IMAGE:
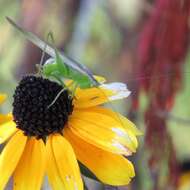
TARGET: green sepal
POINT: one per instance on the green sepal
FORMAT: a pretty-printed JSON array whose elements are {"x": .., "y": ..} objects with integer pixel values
[{"x": 86, "y": 172}]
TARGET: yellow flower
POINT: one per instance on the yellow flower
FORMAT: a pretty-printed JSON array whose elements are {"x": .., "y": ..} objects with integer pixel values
[{"x": 72, "y": 129}]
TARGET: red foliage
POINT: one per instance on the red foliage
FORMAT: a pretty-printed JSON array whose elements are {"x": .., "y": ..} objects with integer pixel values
[
  {"x": 162, "y": 49},
  {"x": 163, "y": 45}
]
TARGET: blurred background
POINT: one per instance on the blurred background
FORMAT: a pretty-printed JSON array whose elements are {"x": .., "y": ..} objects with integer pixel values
[{"x": 143, "y": 43}]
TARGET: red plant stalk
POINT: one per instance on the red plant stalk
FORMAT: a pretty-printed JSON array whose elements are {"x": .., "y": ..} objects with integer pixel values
[{"x": 162, "y": 50}]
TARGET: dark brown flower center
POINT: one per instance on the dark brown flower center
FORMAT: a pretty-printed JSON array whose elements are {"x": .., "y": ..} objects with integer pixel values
[{"x": 31, "y": 107}]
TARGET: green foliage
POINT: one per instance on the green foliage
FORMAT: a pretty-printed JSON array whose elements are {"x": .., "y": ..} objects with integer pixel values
[{"x": 179, "y": 124}]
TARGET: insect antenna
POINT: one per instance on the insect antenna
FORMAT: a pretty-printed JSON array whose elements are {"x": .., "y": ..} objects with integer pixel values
[
  {"x": 55, "y": 99},
  {"x": 40, "y": 65},
  {"x": 75, "y": 85}
]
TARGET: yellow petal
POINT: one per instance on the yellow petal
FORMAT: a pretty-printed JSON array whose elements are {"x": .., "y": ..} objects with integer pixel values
[
  {"x": 30, "y": 171},
  {"x": 123, "y": 122},
  {"x": 104, "y": 143},
  {"x": 104, "y": 93},
  {"x": 103, "y": 131},
  {"x": 54, "y": 176},
  {"x": 5, "y": 118},
  {"x": 2, "y": 98},
  {"x": 66, "y": 163},
  {"x": 91, "y": 97},
  {"x": 6, "y": 130},
  {"x": 10, "y": 156},
  {"x": 109, "y": 168},
  {"x": 127, "y": 124}
]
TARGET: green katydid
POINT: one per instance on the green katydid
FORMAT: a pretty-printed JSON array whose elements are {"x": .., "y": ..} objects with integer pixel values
[{"x": 63, "y": 66}]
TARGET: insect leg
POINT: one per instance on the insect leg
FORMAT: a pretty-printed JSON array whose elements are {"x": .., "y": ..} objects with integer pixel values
[
  {"x": 58, "y": 79},
  {"x": 74, "y": 86}
]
